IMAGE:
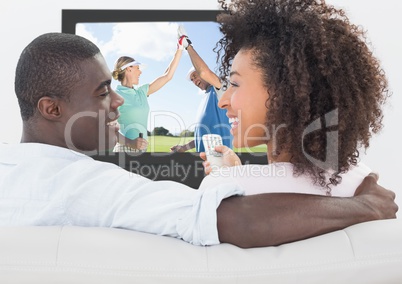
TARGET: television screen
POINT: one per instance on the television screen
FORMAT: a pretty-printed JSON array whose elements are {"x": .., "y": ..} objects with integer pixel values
[{"x": 150, "y": 37}]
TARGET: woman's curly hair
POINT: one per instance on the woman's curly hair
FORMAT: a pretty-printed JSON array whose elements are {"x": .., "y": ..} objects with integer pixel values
[{"x": 318, "y": 68}]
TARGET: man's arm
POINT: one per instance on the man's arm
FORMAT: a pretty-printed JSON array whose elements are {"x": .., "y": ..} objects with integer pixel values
[
  {"x": 276, "y": 218},
  {"x": 202, "y": 68},
  {"x": 183, "y": 148},
  {"x": 199, "y": 64}
]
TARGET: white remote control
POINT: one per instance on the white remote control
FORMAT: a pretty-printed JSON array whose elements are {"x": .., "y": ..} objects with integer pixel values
[{"x": 210, "y": 141}]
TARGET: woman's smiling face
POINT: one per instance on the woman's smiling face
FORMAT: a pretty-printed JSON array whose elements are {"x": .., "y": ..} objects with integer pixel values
[{"x": 245, "y": 101}]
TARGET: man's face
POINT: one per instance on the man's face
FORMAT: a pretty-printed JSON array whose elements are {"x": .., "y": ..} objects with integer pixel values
[
  {"x": 196, "y": 79},
  {"x": 90, "y": 115}
]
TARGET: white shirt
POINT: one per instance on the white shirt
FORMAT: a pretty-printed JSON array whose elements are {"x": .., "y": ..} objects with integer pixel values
[
  {"x": 48, "y": 185},
  {"x": 278, "y": 177}
]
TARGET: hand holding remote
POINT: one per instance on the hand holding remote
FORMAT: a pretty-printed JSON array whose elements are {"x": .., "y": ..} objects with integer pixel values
[{"x": 210, "y": 141}]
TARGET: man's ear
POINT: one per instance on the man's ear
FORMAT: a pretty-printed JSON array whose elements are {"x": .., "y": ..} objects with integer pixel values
[{"x": 49, "y": 108}]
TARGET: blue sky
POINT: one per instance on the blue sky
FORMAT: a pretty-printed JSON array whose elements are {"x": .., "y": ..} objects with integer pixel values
[{"x": 174, "y": 106}]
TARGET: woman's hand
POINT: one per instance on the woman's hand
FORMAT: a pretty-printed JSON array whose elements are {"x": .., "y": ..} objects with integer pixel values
[
  {"x": 138, "y": 143},
  {"x": 230, "y": 159}
]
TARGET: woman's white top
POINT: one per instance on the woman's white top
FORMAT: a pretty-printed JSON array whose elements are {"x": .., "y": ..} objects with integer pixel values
[{"x": 279, "y": 177}]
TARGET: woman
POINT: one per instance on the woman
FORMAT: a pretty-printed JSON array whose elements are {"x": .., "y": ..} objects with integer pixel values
[
  {"x": 134, "y": 112},
  {"x": 304, "y": 82}
]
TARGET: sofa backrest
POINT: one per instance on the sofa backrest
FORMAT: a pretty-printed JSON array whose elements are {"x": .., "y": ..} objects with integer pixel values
[{"x": 365, "y": 253}]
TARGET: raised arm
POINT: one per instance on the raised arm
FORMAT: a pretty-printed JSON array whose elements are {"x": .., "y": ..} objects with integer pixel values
[
  {"x": 276, "y": 218},
  {"x": 199, "y": 64},
  {"x": 168, "y": 75},
  {"x": 202, "y": 68}
]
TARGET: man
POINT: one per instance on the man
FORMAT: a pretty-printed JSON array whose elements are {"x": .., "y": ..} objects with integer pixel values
[
  {"x": 69, "y": 109},
  {"x": 210, "y": 118}
]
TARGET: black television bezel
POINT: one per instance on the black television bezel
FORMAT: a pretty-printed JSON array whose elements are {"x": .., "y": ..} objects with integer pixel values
[
  {"x": 71, "y": 17},
  {"x": 190, "y": 160}
]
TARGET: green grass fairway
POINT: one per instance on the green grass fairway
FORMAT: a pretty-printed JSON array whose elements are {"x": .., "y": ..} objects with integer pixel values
[{"x": 163, "y": 144}]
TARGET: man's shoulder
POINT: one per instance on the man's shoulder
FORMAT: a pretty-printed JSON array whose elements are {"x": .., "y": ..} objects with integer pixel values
[{"x": 14, "y": 152}]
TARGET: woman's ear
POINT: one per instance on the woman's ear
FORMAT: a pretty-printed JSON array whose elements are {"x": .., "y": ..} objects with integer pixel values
[{"x": 49, "y": 108}]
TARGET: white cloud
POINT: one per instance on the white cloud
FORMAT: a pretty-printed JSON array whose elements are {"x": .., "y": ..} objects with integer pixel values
[
  {"x": 155, "y": 41},
  {"x": 82, "y": 31}
]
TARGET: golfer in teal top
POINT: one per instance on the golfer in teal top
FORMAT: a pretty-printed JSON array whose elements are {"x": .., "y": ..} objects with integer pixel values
[{"x": 134, "y": 112}]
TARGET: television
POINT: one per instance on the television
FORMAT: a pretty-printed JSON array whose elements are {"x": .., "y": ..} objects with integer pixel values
[{"x": 150, "y": 36}]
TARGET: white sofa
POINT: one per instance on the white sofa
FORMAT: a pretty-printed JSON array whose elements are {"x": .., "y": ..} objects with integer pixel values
[{"x": 366, "y": 253}]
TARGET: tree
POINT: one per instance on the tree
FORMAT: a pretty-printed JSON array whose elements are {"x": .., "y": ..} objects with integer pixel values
[
  {"x": 160, "y": 131},
  {"x": 187, "y": 133}
]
